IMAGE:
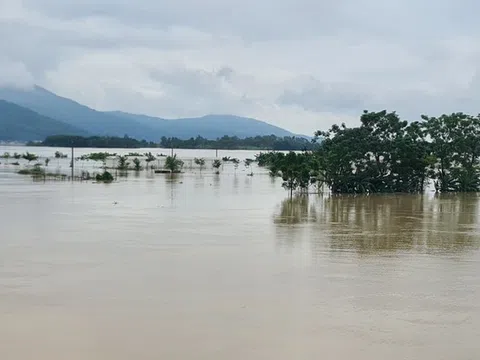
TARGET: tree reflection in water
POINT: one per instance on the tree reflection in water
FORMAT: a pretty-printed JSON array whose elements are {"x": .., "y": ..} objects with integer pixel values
[{"x": 381, "y": 223}]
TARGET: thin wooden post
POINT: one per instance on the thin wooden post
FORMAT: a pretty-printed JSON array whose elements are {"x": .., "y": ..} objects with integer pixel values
[{"x": 73, "y": 162}]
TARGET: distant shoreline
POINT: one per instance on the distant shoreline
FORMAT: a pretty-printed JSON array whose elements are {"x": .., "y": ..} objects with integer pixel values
[
  {"x": 258, "y": 143},
  {"x": 151, "y": 147}
]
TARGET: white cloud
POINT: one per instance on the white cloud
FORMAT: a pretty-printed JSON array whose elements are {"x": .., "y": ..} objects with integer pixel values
[
  {"x": 300, "y": 64},
  {"x": 14, "y": 74}
]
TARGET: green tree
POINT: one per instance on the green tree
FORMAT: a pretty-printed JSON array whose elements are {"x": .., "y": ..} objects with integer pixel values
[
  {"x": 137, "y": 164},
  {"x": 105, "y": 177},
  {"x": 6, "y": 156},
  {"x": 122, "y": 162},
  {"x": 149, "y": 158},
  {"x": 200, "y": 162},
  {"x": 60, "y": 155},
  {"x": 385, "y": 154},
  {"x": 454, "y": 151},
  {"x": 216, "y": 165},
  {"x": 235, "y": 162},
  {"x": 173, "y": 164},
  {"x": 29, "y": 157}
]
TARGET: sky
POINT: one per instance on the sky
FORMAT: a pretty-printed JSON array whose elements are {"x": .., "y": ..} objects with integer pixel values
[{"x": 299, "y": 64}]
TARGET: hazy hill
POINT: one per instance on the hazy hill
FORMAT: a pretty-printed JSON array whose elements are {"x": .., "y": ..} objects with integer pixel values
[
  {"x": 118, "y": 123},
  {"x": 95, "y": 122},
  {"x": 19, "y": 123},
  {"x": 209, "y": 126}
]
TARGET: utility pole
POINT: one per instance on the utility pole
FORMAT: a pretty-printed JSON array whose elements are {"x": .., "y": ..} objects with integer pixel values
[{"x": 73, "y": 161}]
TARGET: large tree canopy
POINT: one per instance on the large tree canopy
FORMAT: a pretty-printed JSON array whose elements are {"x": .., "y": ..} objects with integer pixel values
[{"x": 386, "y": 154}]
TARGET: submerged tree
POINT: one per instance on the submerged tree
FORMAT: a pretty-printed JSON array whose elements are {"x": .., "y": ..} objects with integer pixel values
[
  {"x": 216, "y": 165},
  {"x": 122, "y": 162},
  {"x": 235, "y": 162},
  {"x": 6, "y": 156},
  {"x": 173, "y": 164},
  {"x": 137, "y": 164},
  {"x": 297, "y": 170},
  {"x": 30, "y": 157},
  {"x": 149, "y": 158},
  {"x": 200, "y": 162},
  {"x": 454, "y": 151},
  {"x": 386, "y": 154}
]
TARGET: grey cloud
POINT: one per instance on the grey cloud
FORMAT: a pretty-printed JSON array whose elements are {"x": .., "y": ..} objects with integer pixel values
[
  {"x": 288, "y": 61},
  {"x": 251, "y": 19},
  {"x": 317, "y": 96}
]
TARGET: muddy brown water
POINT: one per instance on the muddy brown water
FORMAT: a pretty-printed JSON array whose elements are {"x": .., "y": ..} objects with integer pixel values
[{"x": 223, "y": 267}]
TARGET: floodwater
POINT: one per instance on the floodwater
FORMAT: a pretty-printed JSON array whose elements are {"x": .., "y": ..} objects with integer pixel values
[{"x": 224, "y": 267}]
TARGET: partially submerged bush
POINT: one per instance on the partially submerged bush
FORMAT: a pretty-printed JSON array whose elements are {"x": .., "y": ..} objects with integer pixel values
[
  {"x": 106, "y": 177},
  {"x": 30, "y": 157},
  {"x": 98, "y": 156},
  {"x": 35, "y": 171},
  {"x": 60, "y": 155}
]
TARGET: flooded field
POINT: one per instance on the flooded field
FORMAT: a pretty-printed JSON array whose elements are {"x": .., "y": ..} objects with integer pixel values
[{"x": 206, "y": 266}]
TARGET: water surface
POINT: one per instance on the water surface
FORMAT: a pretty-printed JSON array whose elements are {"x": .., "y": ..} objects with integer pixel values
[{"x": 224, "y": 267}]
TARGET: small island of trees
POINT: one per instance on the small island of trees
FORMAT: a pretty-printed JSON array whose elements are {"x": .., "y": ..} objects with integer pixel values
[{"x": 387, "y": 155}]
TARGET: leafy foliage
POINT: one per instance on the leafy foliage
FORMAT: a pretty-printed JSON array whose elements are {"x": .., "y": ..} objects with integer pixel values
[
  {"x": 200, "y": 162},
  {"x": 388, "y": 155},
  {"x": 122, "y": 162},
  {"x": 216, "y": 163},
  {"x": 149, "y": 158},
  {"x": 173, "y": 164},
  {"x": 94, "y": 142},
  {"x": 271, "y": 142},
  {"x": 29, "y": 157},
  {"x": 60, "y": 155},
  {"x": 105, "y": 177},
  {"x": 137, "y": 164},
  {"x": 98, "y": 156}
]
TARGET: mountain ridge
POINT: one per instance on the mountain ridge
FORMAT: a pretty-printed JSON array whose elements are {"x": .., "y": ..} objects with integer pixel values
[
  {"x": 139, "y": 126},
  {"x": 18, "y": 123}
]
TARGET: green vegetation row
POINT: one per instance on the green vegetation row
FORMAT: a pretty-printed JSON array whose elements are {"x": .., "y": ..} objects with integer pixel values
[
  {"x": 269, "y": 142},
  {"x": 93, "y": 142},
  {"x": 226, "y": 143},
  {"x": 386, "y": 154}
]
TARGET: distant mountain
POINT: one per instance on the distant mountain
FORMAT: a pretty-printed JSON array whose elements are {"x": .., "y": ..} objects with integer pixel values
[
  {"x": 150, "y": 128},
  {"x": 19, "y": 123},
  {"x": 209, "y": 126},
  {"x": 95, "y": 122}
]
